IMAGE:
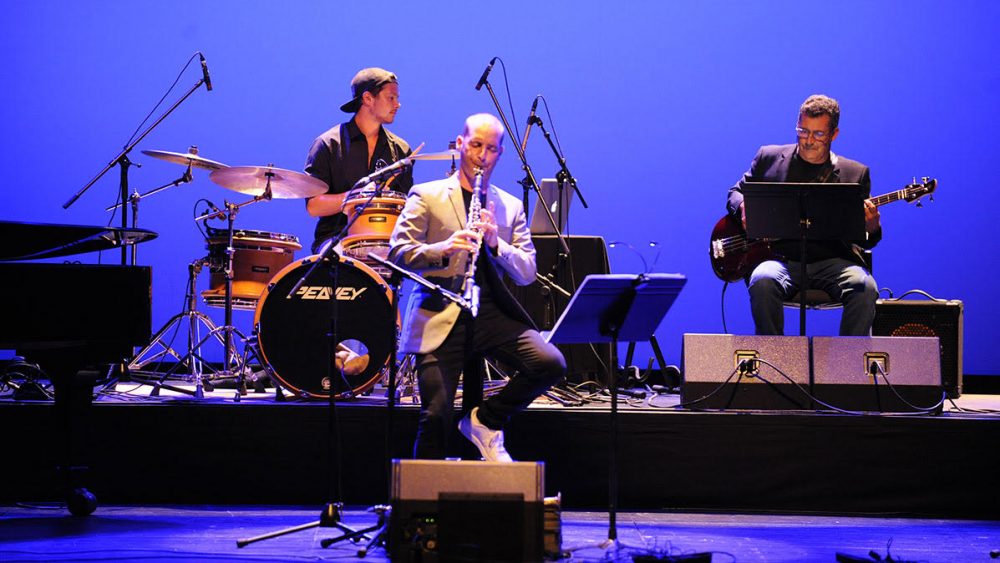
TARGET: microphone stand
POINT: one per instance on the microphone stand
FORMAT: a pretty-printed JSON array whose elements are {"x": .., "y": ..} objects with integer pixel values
[
  {"x": 123, "y": 161},
  {"x": 529, "y": 181},
  {"x": 564, "y": 174},
  {"x": 449, "y": 295},
  {"x": 330, "y": 516},
  {"x": 136, "y": 197}
]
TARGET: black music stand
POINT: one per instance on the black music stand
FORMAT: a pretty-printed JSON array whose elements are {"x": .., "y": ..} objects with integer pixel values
[
  {"x": 608, "y": 308},
  {"x": 806, "y": 212}
]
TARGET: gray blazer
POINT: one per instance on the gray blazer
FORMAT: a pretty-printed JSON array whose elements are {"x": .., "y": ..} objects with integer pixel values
[{"x": 434, "y": 211}]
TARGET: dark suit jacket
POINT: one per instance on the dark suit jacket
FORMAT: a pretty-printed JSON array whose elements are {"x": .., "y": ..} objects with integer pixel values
[{"x": 771, "y": 165}]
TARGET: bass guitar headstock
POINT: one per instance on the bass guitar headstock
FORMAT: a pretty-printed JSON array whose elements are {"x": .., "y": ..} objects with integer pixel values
[{"x": 917, "y": 190}]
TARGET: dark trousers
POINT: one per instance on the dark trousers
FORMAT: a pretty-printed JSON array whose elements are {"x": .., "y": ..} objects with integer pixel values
[{"x": 492, "y": 333}]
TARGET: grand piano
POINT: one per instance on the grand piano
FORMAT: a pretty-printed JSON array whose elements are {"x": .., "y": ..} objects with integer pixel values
[{"x": 73, "y": 320}]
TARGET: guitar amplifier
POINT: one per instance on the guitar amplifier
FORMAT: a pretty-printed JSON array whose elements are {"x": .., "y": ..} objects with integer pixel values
[{"x": 943, "y": 319}]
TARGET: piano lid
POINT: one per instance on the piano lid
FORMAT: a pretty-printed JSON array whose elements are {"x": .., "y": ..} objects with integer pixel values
[{"x": 32, "y": 241}]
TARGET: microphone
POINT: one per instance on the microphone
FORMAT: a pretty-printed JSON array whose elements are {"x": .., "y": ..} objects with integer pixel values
[
  {"x": 383, "y": 173},
  {"x": 204, "y": 73},
  {"x": 482, "y": 79},
  {"x": 531, "y": 121}
]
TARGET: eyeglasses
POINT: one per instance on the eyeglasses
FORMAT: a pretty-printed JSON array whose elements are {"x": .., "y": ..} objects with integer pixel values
[{"x": 805, "y": 134}]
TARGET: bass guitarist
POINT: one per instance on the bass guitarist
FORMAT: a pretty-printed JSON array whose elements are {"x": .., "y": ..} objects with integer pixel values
[{"x": 833, "y": 266}]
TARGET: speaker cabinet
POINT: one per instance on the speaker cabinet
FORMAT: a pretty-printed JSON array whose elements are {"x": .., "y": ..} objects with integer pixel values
[
  {"x": 943, "y": 319},
  {"x": 588, "y": 255},
  {"x": 466, "y": 511},
  {"x": 712, "y": 379},
  {"x": 843, "y": 366}
]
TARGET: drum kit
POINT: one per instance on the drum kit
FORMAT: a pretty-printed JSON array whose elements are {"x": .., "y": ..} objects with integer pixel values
[{"x": 256, "y": 271}]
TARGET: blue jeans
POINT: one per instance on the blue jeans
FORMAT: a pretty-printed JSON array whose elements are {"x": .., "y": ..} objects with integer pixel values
[{"x": 772, "y": 282}]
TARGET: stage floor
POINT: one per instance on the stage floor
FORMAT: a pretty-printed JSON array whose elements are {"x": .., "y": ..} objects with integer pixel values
[
  {"x": 177, "y": 449},
  {"x": 172, "y": 532}
]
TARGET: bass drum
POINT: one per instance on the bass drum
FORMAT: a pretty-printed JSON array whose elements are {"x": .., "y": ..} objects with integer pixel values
[{"x": 292, "y": 332}]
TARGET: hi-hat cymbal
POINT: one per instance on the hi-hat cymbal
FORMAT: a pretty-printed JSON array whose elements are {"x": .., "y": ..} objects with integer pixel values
[
  {"x": 186, "y": 159},
  {"x": 445, "y": 155},
  {"x": 254, "y": 180}
]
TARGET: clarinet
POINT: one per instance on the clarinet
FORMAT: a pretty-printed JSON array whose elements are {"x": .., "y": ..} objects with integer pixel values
[{"x": 470, "y": 291}]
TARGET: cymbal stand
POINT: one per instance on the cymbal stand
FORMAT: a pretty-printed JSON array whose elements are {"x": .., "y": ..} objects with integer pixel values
[
  {"x": 192, "y": 360},
  {"x": 227, "y": 329},
  {"x": 250, "y": 349}
]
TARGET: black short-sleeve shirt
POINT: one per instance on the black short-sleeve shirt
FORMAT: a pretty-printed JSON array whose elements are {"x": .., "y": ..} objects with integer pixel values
[{"x": 339, "y": 157}]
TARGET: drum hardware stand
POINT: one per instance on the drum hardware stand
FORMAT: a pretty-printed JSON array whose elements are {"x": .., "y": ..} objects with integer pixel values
[
  {"x": 250, "y": 348},
  {"x": 406, "y": 381},
  {"x": 227, "y": 328},
  {"x": 192, "y": 359},
  {"x": 123, "y": 162}
]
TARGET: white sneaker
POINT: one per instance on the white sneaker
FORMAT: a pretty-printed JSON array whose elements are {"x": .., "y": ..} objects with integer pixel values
[{"x": 489, "y": 441}]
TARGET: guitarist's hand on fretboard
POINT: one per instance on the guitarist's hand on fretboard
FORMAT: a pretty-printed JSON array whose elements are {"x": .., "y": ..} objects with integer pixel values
[{"x": 872, "y": 217}]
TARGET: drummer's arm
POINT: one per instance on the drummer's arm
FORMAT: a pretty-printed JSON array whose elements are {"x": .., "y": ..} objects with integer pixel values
[
  {"x": 318, "y": 165},
  {"x": 325, "y": 204}
]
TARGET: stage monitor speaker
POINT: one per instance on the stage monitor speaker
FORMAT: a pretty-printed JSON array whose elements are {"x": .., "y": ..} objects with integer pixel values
[
  {"x": 943, "y": 319},
  {"x": 466, "y": 511},
  {"x": 588, "y": 255},
  {"x": 711, "y": 372},
  {"x": 843, "y": 366}
]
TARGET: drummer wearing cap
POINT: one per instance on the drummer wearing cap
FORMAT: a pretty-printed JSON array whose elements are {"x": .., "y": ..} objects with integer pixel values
[{"x": 352, "y": 150}]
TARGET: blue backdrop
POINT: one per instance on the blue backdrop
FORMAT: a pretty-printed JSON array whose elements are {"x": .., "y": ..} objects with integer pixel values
[{"x": 659, "y": 107}]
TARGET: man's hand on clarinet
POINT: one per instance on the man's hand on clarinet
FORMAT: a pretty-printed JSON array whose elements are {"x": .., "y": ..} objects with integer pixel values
[
  {"x": 464, "y": 240},
  {"x": 488, "y": 225}
]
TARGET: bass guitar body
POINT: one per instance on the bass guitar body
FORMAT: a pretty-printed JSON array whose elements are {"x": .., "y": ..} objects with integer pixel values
[{"x": 733, "y": 256}]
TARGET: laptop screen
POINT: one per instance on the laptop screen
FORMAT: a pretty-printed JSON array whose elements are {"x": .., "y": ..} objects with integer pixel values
[{"x": 559, "y": 206}]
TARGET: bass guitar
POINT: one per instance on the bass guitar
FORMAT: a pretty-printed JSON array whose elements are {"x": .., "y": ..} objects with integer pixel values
[{"x": 734, "y": 256}]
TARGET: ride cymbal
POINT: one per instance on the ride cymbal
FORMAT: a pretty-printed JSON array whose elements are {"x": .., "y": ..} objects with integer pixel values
[{"x": 255, "y": 180}]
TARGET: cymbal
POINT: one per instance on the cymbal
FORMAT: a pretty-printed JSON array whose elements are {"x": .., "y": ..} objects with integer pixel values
[
  {"x": 31, "y": 241},
  {"x": 253, "y": 180},
  {"x": 186, "y": 159},
  {"x": 445, "y": 155}
]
